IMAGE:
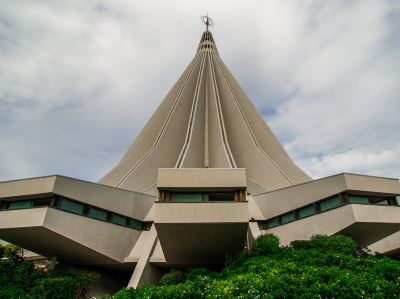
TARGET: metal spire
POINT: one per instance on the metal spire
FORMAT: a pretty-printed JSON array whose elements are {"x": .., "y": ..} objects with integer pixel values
[{"x": 207, "y": 21}]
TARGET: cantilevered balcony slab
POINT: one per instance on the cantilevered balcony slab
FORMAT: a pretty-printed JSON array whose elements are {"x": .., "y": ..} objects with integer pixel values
[
  {"x": 366, "y": 224},
  {"x": 201, "y": 179},
  {"x": 200, "y": 232},
  {"x": 73, "y": 239},
  {"x": 127, "y": 203}
]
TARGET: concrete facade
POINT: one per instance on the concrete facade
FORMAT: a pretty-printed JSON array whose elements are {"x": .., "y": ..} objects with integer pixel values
[{"x": 203, "y": 178}]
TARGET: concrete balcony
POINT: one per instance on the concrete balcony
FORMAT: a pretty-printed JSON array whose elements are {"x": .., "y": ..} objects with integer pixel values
[
  {"x": 200, "y": 232},
  {"x": 366, "y": 224},
  {"x": 73, "y": 239}
]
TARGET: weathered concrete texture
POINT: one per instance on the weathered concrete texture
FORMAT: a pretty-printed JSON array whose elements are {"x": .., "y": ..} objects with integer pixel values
[{"x": 366, "y": 224}]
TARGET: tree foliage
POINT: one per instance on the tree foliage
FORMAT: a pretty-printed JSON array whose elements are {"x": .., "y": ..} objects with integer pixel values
[
  {"x": 323, "y": 267},
  {"x": 20, "y": 279}
]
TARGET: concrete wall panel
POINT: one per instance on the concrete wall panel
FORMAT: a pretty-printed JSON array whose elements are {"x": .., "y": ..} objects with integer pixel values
[
  {"x": 76, "y": 189},
  {"x": 280, "y": 201},
  {"x": 149, "y": 138},
  {"x": 233, "y": 178},
  {"x": 166, "y": 153},
  {"x": 194, "y": 157},
  {"x": 218, "y": 156},
  {"x": 201, "y": 212},
  {"x": 244, "y": 150},
  {"x": 20, "y": 188}
]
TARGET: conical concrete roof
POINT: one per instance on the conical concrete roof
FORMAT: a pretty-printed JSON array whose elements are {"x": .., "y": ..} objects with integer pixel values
[{"x": 206, "y": 121}]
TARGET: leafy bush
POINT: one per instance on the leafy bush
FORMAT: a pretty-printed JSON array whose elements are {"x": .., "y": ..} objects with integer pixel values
[
  {"x": 20, "y": 279},
  {"x": 86, "y": 278},
  {"x": 61, "y": 288},
  {"x": 173, "y": 277},
  {"x": 324, "y": 267},
  {"x": 265, "y": 244}
]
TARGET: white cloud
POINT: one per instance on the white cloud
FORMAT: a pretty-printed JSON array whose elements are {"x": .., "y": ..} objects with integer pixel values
[{"x": 78, "y": 78}]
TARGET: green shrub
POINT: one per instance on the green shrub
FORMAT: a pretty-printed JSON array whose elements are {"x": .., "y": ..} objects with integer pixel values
[
  {"x": 323, "y": 267},
  {"x": 264, "y": 245},
  {"x": 20, "y": 279},
  {"x": 173, "y": 277},
  {"x": 86, "y": 278},
  {"x": 60, "y": 288},
  {"x": 2, "y": 251}
]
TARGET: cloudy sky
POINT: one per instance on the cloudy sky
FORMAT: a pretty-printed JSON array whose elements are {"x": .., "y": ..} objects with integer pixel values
[{"x": 79, "y": 79}]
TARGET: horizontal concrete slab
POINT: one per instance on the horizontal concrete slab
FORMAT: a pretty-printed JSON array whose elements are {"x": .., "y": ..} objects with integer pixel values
[
  {"x": 72, "y": 238},
  {"x": 200, "y": 232},
  {"x": 201, "y": 179},
  {"x": 128, "y": 203},
  {"x": 366, "y": 224},
  {"x": 287, "y": 199}
]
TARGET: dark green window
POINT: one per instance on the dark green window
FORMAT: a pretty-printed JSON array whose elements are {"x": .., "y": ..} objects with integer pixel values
[
  {"x": 307, "y": 211},
  {"x": 358, "y": 199},
  {"x": 136, "y": 224},
  {"x": 45, "y": 202},
  {"x": 287, "y": 217},
  {"x": 221, "y": 196},
  {"x": 205, "y": 197},
  {"x": 330, "y": 203},
  {"x": 20, "y": 205},
  {"x": 260, "y": 225},
  {"x": 117, "y": 219},
  {"x": 382, "y": 202},
  {"x": 272, "y": 223},
  {"x": 98, "y": 214},
  {"x": 147, "y": 226},
  {"x": 378, "y": 200},
  {"x": 72, "y": 206},
  {"x": 186, "y": 197}
]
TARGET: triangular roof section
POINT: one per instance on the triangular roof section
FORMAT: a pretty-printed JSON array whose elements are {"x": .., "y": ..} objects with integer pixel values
[{"x": 206, "y": 121}]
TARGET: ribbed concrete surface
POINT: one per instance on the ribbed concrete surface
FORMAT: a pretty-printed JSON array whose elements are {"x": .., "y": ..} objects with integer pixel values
[{"x": 206, "y": 120}]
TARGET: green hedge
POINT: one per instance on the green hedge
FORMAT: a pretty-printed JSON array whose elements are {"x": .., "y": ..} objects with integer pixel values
[{"x": 324, "y": 267}]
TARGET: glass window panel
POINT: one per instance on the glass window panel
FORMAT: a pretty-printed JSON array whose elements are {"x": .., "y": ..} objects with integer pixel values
[
  {"x": 287, "y": 217},
  {"x": 117, "y": 219},
  {"x": 221, "y": 196},
  {"x": 186, "y": 197},
  {"x": 205, "y": 197},
  {"x": 97, "y": 213},
  {"x": 272, "y": 223},
  {"x": 136, "y": 224},
  {"x": 307, "y": 211},
  {"x": 45, "y": 202},
  {"x": 382, "y": 202},
  {"x": 358, "y": 199},
  {"x": 20, "y": 205},
  {"x": 260, "y": 225},
  {"x": 330, "y": 203},
  {"x": 148, "y": 226},
  {"x": 396, "y": 199},
  {"x": 375, "y": 200},
  {"x": 72, "y": 206}
]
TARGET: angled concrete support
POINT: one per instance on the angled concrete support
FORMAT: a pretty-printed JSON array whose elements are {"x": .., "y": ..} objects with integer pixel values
[{"x": 146, "y": 273}]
